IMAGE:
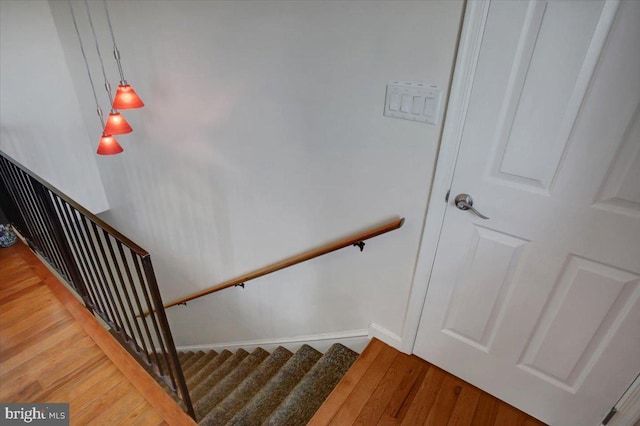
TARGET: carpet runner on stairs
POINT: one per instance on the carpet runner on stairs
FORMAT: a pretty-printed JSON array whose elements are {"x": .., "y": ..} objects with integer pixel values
[{"x": 259, "y": 388}]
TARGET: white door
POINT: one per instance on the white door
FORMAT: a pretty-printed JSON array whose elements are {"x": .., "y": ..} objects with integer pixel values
[{"x": 540, "y": 304}]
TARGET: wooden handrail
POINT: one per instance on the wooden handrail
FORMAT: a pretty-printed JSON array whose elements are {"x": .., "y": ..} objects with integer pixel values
[{"x": 293, "y": 260}]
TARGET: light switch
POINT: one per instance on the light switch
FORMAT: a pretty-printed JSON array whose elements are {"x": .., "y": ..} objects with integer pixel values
[
  {"x": 429, "y": 106},
  {"x": 394, "y": 104},
  {"x": 405, "y": 106},
  {"x": 418, "y": 105},
  {"x": 413, "y": 101}
]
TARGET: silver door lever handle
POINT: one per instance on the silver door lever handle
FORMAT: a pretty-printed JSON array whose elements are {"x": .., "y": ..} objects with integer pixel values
[{"x": 465, "y": 202}]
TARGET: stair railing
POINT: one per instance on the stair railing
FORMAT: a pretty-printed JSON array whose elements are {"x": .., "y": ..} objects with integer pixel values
[
  {"x": 112, "y": 274},
  {"x": 356, "y": 239}
]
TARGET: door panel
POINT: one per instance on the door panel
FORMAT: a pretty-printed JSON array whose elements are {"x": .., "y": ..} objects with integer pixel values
[
  {"x": 481, "y": 289},
  {"x": 540, "y": 304},
  {"x": 620, "y": 192},
  {"x": 530, "y": 139},
  {"x": 586, "y": 303}
]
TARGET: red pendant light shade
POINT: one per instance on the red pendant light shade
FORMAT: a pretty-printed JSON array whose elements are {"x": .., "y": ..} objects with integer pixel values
[
  {"x": 109, "y": 145},
  {"x": 116, "y": 125},
  {"x": 126, "y": 98}
]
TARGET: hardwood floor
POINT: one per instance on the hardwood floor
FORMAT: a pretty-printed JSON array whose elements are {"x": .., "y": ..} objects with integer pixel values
[
  {"x": 387, "y": 387},
  {"x": 47, "y": 355}
]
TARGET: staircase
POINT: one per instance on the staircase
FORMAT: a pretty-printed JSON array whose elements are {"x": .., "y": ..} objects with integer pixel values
[{"x": 259, "y": 388}]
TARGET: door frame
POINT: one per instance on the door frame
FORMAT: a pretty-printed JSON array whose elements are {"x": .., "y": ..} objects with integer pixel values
[{"x": 473, "y": 25}]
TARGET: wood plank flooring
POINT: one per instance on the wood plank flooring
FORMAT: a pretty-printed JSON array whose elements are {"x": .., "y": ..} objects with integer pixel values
[
  {"x": 47, "y": 356},
  {"x": 387, "y": 387}
]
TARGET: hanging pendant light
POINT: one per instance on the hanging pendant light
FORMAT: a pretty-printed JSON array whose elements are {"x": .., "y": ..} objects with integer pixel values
[
  {"x": 116, "y": 123},
  {"x": 108, "y": 145},
  {"x": 126, "y": 97}
]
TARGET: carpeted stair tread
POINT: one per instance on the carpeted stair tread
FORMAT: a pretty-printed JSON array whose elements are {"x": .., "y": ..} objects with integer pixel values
[
  {"x": 243, "y": 393},
  {"x": 192, "y": 360},
  {"x": 183, "y": 361},
  {"x": 218, "y": 374},
  {"x": 309, "y": 394},
  {"x": 260, "y": 407},
  {"x": 183, "y": 356},
  {"x": 199, "y": 377},
  {"x": 220, "y": 391},
  {"x": 197, "y": 366}
]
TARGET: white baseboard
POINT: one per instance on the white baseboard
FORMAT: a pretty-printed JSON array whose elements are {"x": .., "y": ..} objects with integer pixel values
[
  {"x": 355, "y": 340},
  {"x": 386, "y": 336}
]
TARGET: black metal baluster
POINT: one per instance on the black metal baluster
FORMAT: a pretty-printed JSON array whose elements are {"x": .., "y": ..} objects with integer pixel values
[
  {"x": 44, "y": 245},
  {"x": 12, "y": 191},
  {"x": 93, "y": 260},
  {"x": 9, "y": 206},
  {"x": 166, "y": 330},
  {"x": 109, "y": 315},
  {"x": 21, "y": 203},
  {"x": 114, "y": 319},
  {"x": 40, "y": 211},
  {"x": 28, "y": 214},
  {"x": 36, "y": 209},
  {"x": 63, "y": 244},
  {"x": 82, "y": 260},
  {"x": 72, "y": 216},
  {"x": 132, "y": 287},
  {"x": 36, "y": 230},
  {"x": 154, "y": 323},
  {"x": 111, "y": 285},
  {"x": 57, "y": 240},
  {"x": 118, "y": 293}
]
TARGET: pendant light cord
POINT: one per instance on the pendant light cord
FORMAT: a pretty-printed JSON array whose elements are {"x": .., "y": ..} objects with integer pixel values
[
  {"x": 107, "y": 85},
  {"x": 116, "y": 52},
  {"x": 86, "y": 64}
]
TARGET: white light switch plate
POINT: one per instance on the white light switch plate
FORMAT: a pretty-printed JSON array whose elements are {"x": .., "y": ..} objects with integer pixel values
[{"x": 413, "y": 101}]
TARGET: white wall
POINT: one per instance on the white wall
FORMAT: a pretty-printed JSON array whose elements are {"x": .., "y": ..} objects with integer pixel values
[
  {"x": 40, "y": 121},
  {"x": 263, "y": 136}
]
